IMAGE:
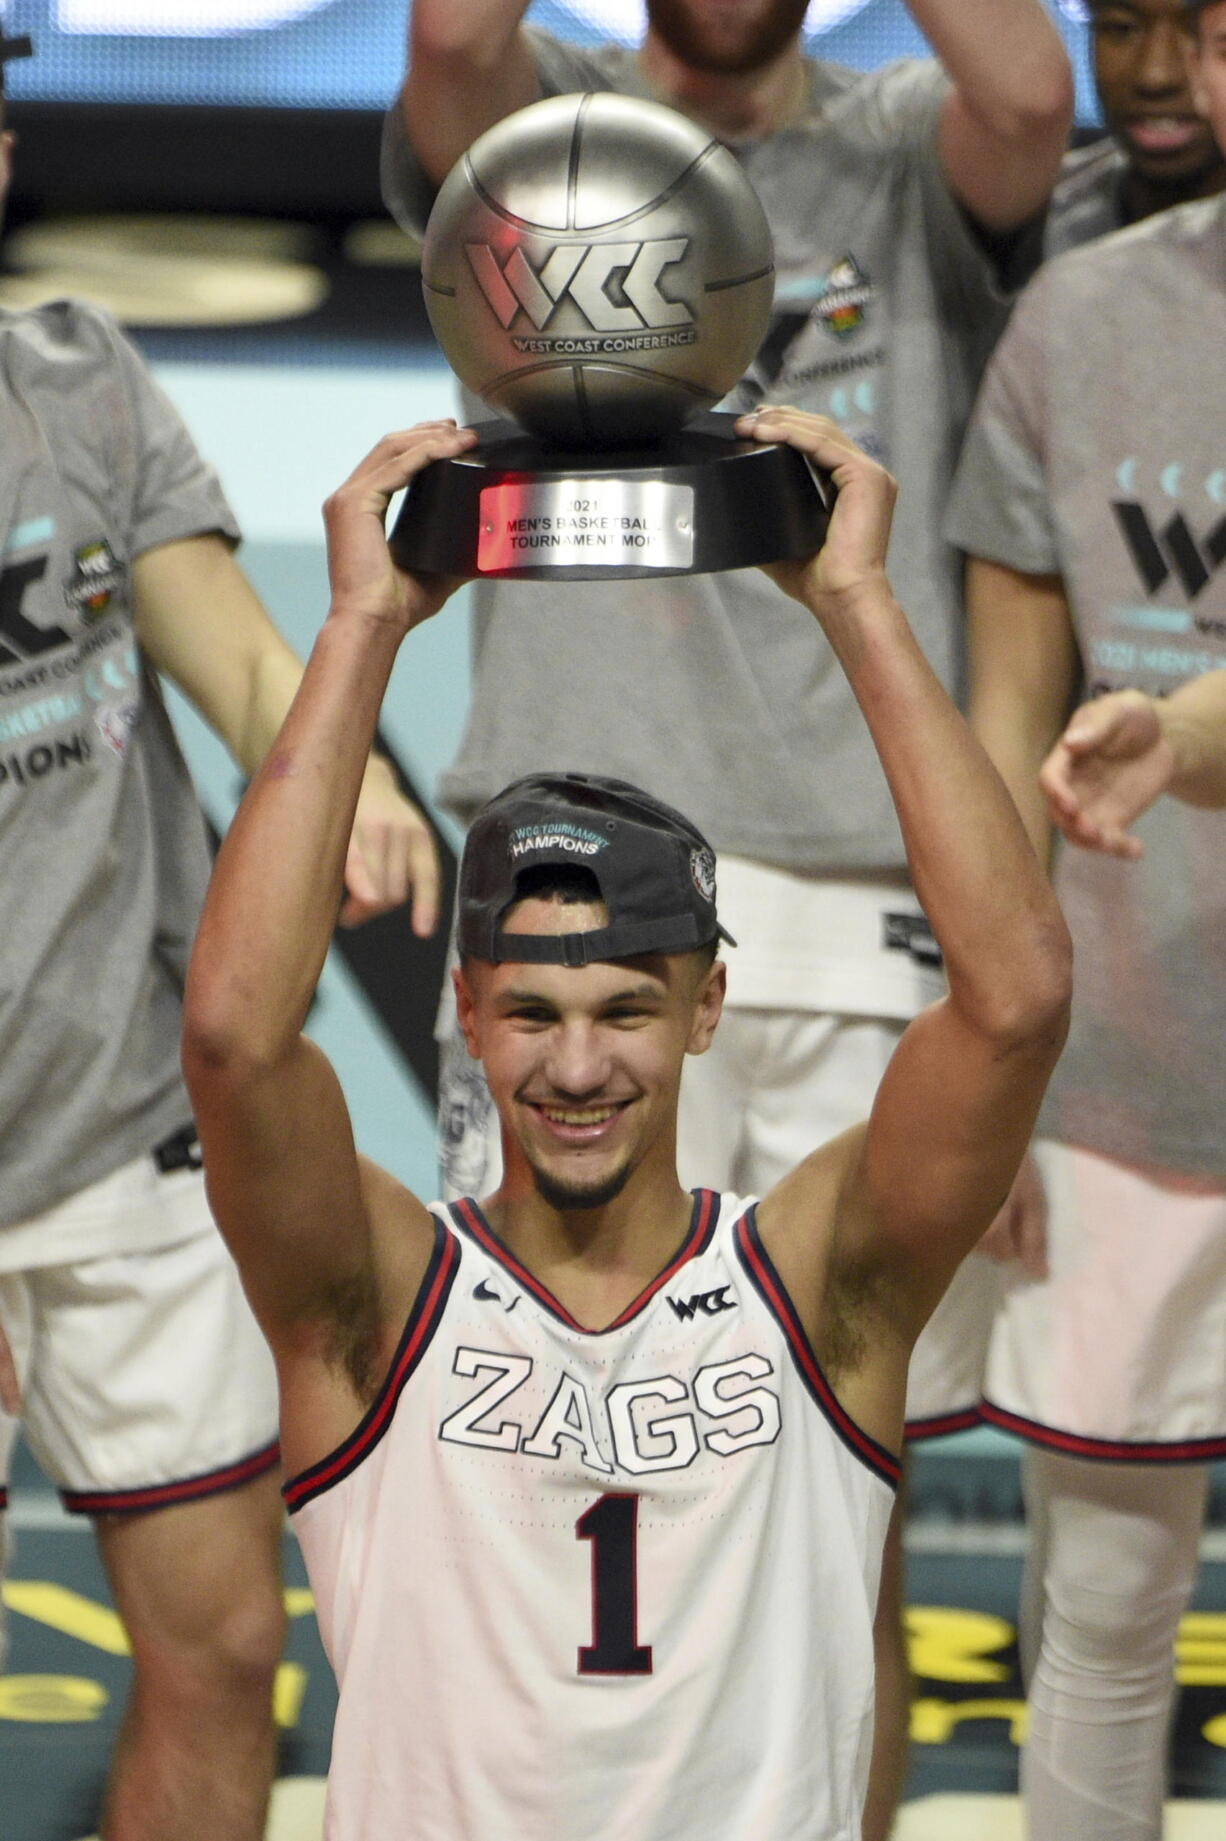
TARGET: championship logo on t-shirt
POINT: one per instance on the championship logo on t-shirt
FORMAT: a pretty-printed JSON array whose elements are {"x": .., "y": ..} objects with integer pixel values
[
  {"x": 97, "y": 573},
  {"x": 845, "y": 299}
]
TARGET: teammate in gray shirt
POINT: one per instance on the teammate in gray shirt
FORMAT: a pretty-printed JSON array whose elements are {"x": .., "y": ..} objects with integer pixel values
[
  {"x": 1157, "y": 151},
  {"x": 889, "y": 195},
  {"x": 125, "y": 1341},
  {"x": 1092, "y": 500}
]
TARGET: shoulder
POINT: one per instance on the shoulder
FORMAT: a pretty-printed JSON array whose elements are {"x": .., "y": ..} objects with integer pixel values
[
  {"x": 1121, "y": 265},
  {"x": 907, "y": 90},
  {"x": 863, "y": 120},
  {"x": 61, "y": 331},
  {"x": 1196, "y": 227},
  {"x": 1086, "y": 203},
  {"x": 1089, "y": 168},
  {"x": 1089, "y": 171}
]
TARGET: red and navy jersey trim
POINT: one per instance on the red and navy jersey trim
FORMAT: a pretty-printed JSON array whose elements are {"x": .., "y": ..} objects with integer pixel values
[
  {"x": 769, "y": 1286},
  {"x": 468, "y": 1216},
  {"x": 167, "y": 1495},
  {"x": 423, "y": 1320},
  {"x": 1109, "y": 1450},
  {"x": 942, "y": 1424}
]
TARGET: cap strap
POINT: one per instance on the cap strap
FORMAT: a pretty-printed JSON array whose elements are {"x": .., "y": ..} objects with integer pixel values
[{"x": 624, "y": 940}]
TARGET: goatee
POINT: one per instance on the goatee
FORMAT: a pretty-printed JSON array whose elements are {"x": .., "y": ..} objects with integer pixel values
[{"x": 566, "y": 1197}]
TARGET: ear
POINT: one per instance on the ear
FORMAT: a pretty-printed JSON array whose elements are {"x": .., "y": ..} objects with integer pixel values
[
  {"x": 708, "y": 1006},
  {"x": 466, "y": 1010}
]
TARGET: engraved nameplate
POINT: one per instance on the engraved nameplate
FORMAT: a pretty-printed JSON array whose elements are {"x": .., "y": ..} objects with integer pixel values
[{"x": 602, "y": 522}]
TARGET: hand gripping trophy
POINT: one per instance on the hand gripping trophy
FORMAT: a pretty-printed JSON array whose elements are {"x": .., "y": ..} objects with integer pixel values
[{"x": 599, "y": 269}]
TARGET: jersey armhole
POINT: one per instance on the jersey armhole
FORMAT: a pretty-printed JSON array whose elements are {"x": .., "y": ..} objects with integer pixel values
[{"x": 770, "y": 1288}]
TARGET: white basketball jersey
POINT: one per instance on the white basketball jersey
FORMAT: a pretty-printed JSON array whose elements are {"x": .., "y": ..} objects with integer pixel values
[{"x": 611, "y": 1585}]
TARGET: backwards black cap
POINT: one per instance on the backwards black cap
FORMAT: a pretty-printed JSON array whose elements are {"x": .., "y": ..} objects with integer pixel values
[
  {"x": 13, "y": 48},
  {"x": 655, "y": 870}
]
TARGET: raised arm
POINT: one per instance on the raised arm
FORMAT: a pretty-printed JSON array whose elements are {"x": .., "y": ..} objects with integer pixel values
[
  {"x": 1123, "y": 751},
  {"x": 955, "y": 1109},
  {"x": 469, "y": 65},
  {"x": 1006, "y": 121},
  {"x": 300, "y": 1217},
  {"x": 202, "y": 623}
]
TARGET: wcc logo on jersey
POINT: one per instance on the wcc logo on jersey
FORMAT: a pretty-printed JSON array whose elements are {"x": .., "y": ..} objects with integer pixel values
[
  {"x": 615, "y": 287},
  {"x": 703, "y": 1303}
]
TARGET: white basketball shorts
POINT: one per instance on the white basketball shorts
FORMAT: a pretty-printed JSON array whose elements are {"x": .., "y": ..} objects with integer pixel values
[
  {"x": 1118, "y": 1354},
  {"x": 145, "y": 1379}
]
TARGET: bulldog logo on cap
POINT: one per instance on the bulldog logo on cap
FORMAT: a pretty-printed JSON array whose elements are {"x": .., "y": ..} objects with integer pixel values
[{"x": 702, "y": 868}]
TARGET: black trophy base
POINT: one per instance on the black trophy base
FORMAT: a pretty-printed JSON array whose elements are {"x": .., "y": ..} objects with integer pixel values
[{"x": 698, "y": 501}]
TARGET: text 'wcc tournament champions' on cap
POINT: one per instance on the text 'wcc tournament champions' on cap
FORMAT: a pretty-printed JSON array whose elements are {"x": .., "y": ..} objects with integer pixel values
[{"x": 654, "y": 869}]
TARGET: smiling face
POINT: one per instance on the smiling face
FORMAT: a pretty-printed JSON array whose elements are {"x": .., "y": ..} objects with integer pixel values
[
  {"x": 1141, "y": 70},
  {"x": 584, "y": 1062}
]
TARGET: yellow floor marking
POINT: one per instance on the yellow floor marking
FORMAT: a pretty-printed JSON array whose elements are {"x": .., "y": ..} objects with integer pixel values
[
  {"x": 51, "y": 1700},
  {"x": 288, "y": 1693},
  {"x": 69, "y": 1612}
]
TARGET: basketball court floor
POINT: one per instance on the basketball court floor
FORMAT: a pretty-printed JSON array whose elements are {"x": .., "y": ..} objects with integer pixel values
[{"x": 290, "y": 350}]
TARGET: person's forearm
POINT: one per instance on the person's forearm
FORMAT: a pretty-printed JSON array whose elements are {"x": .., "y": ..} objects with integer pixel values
[
  {"x": 476, "y": 30},
  {"x": 1017, "y": 747},
  {"x": 1193, "y": 720},
  {"x": 469, "y": 66},
  {"x": 1005, "y": 58},
  {"x": 276, "y": 887},
  {"x": 972, "y": 865},
  {"x": 1024, "y": 670},
  {"x": 274, "y": 678},
  {"x": 273, "y": 684}
]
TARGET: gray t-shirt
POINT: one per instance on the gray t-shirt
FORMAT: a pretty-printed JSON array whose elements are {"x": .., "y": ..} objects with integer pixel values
[
  {"x": 103, "y": 854},
  {"x": 716, "y": 691},
  {"x": 1098, "y": 452},
  {"x": 1088, "y": 201}
]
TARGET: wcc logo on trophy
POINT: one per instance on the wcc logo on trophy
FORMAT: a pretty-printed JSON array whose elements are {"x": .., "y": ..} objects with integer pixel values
[
  {"x": 600, "y": 272},
  {"x": 594, "y": 278}
]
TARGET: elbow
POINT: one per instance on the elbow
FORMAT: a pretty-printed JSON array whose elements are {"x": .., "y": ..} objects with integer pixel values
[
  {"x": 223, "y": 1040},
  {"x": 1049, "y": 1001},
  {"x": 1025, "y": 1006},
  {"x": 1040, "y": 115},
  {"x": 443, "y": 41}
]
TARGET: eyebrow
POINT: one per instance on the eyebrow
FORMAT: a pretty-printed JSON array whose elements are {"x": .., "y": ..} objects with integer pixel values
[{"x": 515, "y": 995}]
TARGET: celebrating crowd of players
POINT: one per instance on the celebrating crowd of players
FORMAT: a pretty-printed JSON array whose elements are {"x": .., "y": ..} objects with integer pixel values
[{"x": 910, "y": 207}]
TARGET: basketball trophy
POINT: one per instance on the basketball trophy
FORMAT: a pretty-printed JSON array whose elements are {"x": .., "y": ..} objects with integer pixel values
[{"x": 599, "y": 269}]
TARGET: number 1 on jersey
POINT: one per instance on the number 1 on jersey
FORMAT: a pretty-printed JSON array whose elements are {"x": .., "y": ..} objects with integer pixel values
[{"x": 611, "y": 1524}]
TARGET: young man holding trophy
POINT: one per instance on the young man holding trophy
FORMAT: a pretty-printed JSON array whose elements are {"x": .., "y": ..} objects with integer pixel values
[
  {"x": 903, "y": 206},
  {"x": 593, "y": 1477}
]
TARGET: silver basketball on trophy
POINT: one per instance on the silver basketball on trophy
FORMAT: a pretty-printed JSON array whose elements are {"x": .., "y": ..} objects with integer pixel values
[{"x": 599, "y": 268}]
